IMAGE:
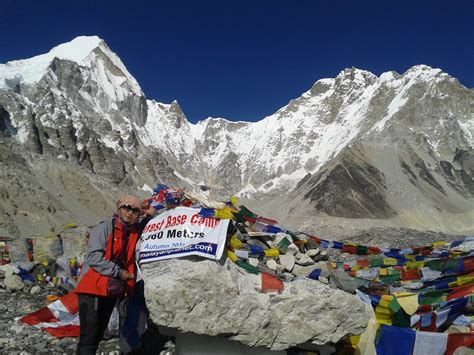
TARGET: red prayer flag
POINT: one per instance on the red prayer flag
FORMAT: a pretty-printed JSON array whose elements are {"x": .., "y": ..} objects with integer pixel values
[
  {"x": 271, "y": 284},
  {"x": 410, "y": 275},
  {"x": 267, "y": 220},
  {"x": 316, "y": 239},
  {"x": 468, "y": 265},
  {"x": 60, "y": 318},
  {"x": 460, "y": 292},
  {"x": 456, "y": 340},
  {"x": 349, "y": 249},
  {"x": 363, "y": 262}
]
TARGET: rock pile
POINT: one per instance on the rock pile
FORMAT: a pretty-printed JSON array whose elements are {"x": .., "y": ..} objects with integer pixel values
[{"x": 259, "y": 293}]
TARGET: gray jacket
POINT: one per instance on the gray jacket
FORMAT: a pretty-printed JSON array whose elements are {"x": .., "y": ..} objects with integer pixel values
[{"x": 95, "y": 254}]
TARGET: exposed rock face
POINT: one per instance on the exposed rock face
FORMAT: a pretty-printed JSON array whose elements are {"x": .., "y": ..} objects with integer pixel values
[
  {"x": 351, "y": 187},
  {"x": 79, "y": 114},
  {"x": 204, "y": 297}
]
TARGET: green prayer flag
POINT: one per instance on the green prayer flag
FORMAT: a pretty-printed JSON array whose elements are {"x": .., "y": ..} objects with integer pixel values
[
  {"x": 375, "y": 262},
  {"x": 390, "y": 278},
  {"x": 248, "y": 267},
  {"x": 244, "y": 212},
  {"x": 393, "y": 272},
  {"x": 394, "y": 305},
  {"x": 401, "y": 319},
  {"x": 433, "y": 297},
  {"x": 283, "y": 244},
  {"x": 444, "y": 264}
]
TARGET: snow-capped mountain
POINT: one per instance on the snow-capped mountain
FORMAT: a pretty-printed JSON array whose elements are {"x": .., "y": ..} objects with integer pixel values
[
  {"x": 278, "y": 151},
  {"x": 394, "y": 150}
]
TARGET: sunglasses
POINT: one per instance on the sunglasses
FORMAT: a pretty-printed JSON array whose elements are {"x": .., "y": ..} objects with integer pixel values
[{"x": 128, "y": 208}]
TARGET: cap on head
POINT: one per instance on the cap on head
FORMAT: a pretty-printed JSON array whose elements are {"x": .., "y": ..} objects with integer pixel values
[{"x": 128, "y": 200}]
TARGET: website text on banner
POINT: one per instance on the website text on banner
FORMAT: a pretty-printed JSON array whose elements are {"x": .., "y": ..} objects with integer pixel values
[{"x": 182, "y": 232}]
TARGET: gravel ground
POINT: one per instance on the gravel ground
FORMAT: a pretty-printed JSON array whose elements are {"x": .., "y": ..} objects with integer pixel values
[{"x": 18, "y": 338}]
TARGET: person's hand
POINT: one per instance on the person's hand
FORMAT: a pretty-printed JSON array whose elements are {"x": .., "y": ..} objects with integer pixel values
[
  {"x": 125, "y": 276},
  {"x": 148, "y": 209}
]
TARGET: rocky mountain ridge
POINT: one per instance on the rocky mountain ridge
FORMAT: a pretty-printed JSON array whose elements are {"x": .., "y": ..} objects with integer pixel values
[{"x": 356, "y": 150}]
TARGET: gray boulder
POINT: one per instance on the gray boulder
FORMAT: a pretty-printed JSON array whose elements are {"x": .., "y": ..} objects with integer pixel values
[
  {"x": 13, "y": 282},
  {"x": 204, "y": 297}
]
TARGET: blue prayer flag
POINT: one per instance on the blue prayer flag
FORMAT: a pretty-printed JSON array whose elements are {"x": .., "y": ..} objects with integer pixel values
[
  {"x": 456, "y": 243},
  {"x": 324, "y": 244},
  {"x": 425, "y": 320},
  {"x": 458, "y": 306},
  {"x": 256, "y": 249},
  {"x": 160, "y": 187},
  {"x": 207, "y": 212},
  {"x": 396, "y": 341},
  {"x": 272, "y": 229},
  {"x": 315, "y": 274},
  {"x": 25, "y": 276}
]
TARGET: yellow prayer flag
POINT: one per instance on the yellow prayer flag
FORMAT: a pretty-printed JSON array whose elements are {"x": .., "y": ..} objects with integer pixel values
[
  {"x": 69, "y": 226},
  {"x": 383, "y": 272},
  {"x": 383, "y": 315},
  {"x": 236, "y": 243},
  {"x": 224, "y": 213},
  {"x": 234, "y": 200},
  {"x": 385, "y": 301},
  {"x": 272, "y": 252},
  {"x": 408, "y": 301},
  {"x": 366, "y": 344},
  {"x": 453, "y": 284},
  {"x": 464, "y": 280},
  {"x": 232, "y": 256},
  {"x": 412, "y": 265},
  {"x": 390, "y": 261},
  {"x": 354, "y": 340}
]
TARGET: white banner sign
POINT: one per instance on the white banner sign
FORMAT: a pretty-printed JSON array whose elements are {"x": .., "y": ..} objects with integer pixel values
[{"x": 182, "y": 232}]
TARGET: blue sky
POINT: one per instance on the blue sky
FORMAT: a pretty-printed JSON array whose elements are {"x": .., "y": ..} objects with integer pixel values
[{"x": 243, "y": 60}]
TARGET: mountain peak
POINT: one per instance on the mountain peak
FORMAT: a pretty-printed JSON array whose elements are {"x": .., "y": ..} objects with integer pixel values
[
  {"x": 424, "y": 72},
  {"x": 355, "y": 73},
  {"x": 29, "y": 71},
  {"x": 83, "y": 50},
  {"x": 76, "y": 50}
]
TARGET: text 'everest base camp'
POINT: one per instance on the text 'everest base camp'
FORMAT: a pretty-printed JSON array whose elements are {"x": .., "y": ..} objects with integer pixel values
[{"x": 342, "y": 223}]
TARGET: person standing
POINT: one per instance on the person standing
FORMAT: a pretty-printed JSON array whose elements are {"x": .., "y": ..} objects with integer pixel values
[{"x": 108, "y": 272}]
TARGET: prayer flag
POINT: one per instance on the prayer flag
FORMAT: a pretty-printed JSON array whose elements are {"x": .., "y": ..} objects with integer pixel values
[
  {"x": 430, "y": 343},
  {"x": 408, "y": 301},
  {"x": 456, "y": 340},
  {"x": 60, "y": 318},
  {"x": 396, "y": 341},
  {"x": 271, "y": 284}
]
